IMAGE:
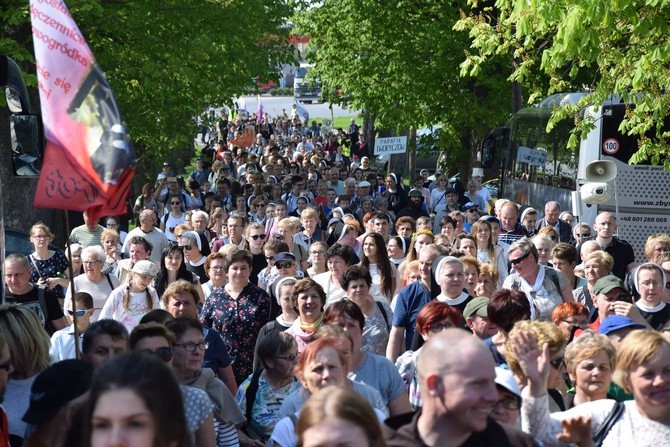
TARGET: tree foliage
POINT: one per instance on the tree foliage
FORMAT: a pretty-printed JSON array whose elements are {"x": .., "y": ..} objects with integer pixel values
[
  {"x": 399, "y": 61},
  {"x": 168, "y": 60},
  {"x": 606, "y": 47}
]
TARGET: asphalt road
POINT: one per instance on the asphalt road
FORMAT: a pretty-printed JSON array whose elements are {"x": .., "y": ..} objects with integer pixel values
[{"x": 274, "y": 105}]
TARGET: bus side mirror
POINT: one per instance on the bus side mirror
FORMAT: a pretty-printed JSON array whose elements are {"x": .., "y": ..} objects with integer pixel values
[
  {"x": 27, "y": 144},
  {"x": 499, "y": 135},
  {"x": 25, "y": 129},
  {"x": 488, "y": 151}
]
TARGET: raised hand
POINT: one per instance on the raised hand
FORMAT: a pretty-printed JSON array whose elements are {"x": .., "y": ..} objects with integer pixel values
[
  {"x": 577, "y": 431},
  {"x": 534, "y": 361}
]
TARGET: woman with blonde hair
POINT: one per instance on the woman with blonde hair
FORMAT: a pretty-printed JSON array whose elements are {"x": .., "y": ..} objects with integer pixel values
[
  {"x": 317, "y": 254},
  {"x": 544, "y": 245},
  {"x": 29, "y": 348},
  {"x": 488, "y": 280},
  {"x": 589, "y": 360},
  {"x": 487, "y": 251},
  {"x": 110, "y": 243},
  {"x": 597, "y": 264},
  {"x": 546, "y": 334},
  {"x": 338, "y": 413},
  {"x": 642, "y": 365}
]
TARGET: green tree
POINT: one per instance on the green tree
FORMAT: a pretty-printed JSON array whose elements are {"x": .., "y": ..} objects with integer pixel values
[
  {"x": 169, "y": 60},
  {"x": 399, "y": 62},
  {"x": 606, "y": 47}
]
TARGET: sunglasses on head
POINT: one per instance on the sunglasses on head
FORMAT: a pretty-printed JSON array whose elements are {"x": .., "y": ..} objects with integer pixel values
[
  {"x": 164, "y": 354},
  {"x": 257, "y": 236},
  {"x": 80, "y": 313},
  {"x": 519, "y": 259},
  {"x": 283, "y": 265}
]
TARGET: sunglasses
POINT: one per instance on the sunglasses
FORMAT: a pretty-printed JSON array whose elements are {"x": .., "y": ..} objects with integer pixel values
[
  {"x": 257, "y": 236},
  {"x": 557, "y": 363},
  {"x": 79, "y": 313},
  {"x": 164, "y": 354},
  {"x": 175, "y": 203},
  {"x": 270, "y": 258},
  {"x": 519, "y": 259},
  {"x": 260, "y": 205},
  {"x": 283, "y": 265},
  {"x": 186, "y": 247}
]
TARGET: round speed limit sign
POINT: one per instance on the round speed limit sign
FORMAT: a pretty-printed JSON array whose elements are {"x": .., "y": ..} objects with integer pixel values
[{"x": 611, "y": 146}]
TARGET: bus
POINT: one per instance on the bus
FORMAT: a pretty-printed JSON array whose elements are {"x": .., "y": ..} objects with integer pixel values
[{"x": 536, "y": 166}]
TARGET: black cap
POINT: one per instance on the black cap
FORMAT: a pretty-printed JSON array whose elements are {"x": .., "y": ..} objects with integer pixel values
[
  {"x": 54, "y": 387},
  {"x": 450, "y": 191},
  {"x": 285, "y": 256}
]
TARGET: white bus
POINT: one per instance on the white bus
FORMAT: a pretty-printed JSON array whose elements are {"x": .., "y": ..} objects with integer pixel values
[{"x": 537, "y": 166}]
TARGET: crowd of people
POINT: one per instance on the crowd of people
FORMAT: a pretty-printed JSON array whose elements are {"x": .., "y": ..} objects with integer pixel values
[{"x": 287, "y": 293}]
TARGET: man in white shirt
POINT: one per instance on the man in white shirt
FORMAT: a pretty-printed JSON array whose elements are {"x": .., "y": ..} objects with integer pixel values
[{"x": 153, "y": 235}]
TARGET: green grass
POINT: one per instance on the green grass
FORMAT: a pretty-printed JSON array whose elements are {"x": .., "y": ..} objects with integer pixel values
[{"x": 340, "y": 121}]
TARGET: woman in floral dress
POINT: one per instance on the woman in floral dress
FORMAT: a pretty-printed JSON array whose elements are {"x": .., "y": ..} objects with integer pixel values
[{"x": 238, "y": 311}]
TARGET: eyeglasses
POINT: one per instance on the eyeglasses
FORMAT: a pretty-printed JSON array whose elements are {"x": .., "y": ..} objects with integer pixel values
[
  {"x": 283, "y": 265},
  {"x": 163, "y": 353},
  {"x": 80, "y": 313},
  {"x": 216, "y": 267},
  {"x": 175, "y": 203},
  {"x": 6, "y": 366},
  {"x": 317, "y": 252},
  {"x": 574, "y": 324},
  {"x": 257, "y": 236},
  {"x": 519, "y": 259},
  {"x": 557, "y": 363},
  {"x": 439, "y": 327},
  {"x": 91, "y": 262},
  {"x": 186, "y": 247},
  {"x": 190, "y": 346},
  {"x": 508, "y": 403},
  {"x": 289, "y": 358}
]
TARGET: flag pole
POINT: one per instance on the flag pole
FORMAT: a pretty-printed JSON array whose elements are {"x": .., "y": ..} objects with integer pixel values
[{"x": 68, "y": 245}]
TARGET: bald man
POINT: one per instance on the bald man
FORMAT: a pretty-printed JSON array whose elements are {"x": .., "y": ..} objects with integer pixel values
[
  {"x": 510, "y": 228},
  {"x": 456, "y": 373}
]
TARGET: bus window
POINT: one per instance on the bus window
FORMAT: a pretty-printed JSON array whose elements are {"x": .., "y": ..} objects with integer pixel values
[{"x": 538, "y": 166}]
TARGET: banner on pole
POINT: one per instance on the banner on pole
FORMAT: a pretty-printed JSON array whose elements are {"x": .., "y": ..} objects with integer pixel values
[{"x": 89, "y": 160}]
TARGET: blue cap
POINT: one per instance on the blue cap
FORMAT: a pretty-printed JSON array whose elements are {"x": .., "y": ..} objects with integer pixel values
[{"x": 616, "y": 322}]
